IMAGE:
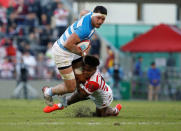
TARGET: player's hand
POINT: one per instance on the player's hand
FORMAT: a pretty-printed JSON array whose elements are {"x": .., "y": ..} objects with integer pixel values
[{"x": 84, "y": 53}]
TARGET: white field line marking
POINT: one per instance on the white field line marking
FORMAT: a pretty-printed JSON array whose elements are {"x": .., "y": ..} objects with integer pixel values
[{"x": 89, "y": 123}]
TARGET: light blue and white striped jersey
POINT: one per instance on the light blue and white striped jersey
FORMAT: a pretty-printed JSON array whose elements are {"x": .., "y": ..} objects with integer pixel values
[{"x": 82, "y": 27}]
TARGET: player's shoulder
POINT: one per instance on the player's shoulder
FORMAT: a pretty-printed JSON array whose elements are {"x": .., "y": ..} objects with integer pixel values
[
  {"x": 91, "y": 86},
  {"x": 85, "y": 20}
]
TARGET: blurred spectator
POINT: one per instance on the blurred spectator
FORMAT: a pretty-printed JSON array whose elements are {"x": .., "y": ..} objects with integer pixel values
[
  {"x": 30, "y": 62},
  {"x": 12, "y": 32},
  {"x": 137, "y": 71},
  {"x": 138, "y": 81},
  {"x": 47, "y": 9},
  {"x": 27, "y": 48},
  {"x": 154, "y": 82},
  {"x": 33, "y": 13},
  {"x": 2, "y": 52},
  {"x": 49, "y": 61},
  {"x": 110, "y": 58},
  {"x": 45, "y": 36},
  {"x": 33, "y": 40},
  {"x": 95, "y": 45},
  {"x": 54, "y": 4},
  {"x": 117, "y": 74},
  {"x": 19, "y": 65},
  {"x": 3, "y": 18},
  {"x": 7, "y": 46},
  {"x": 21, "y": 10},
  {"x": 21, "y": 45},
  {"x": 41, "y": 66},
  {"x": 3, "y": 29},
  {"x": 61, "y": 18},
  {"x": 107, "y": 76},
  {"x": 44, "y": 19},
  {"x": 171, "y": 61},
  {"x": 10, "y": 49},
  {"x": 6, "y": 68},
  {"x": 10, "y": 9},
  {"x": 3, "y": 21},
  {"x": 169, "y": 73}
]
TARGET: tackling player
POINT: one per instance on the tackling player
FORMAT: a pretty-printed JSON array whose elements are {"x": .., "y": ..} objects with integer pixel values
[
  {"x": 94, "y": 87},
  {"x": 65, "y": 48}
]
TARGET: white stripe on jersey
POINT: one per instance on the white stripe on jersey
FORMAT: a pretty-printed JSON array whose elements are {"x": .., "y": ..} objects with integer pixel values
[
  {"x": 80, "y": 22},
  {"x": 61, "y": 40},
  {"x": 91, "y": 33},
  {"x": 100, "y": 81},
  {"x": 67, "y": 33},
  {"x": 71, "y": 28}
]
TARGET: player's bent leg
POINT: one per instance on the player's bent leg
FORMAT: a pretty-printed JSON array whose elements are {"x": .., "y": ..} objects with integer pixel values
[
  {"x": 69, "y": 85},
  {"x": 109, "y": 111}
]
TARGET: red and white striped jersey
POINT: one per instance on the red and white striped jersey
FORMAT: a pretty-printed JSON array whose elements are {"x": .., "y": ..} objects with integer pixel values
[
  {"x": 99, "y": 91},
  {"x": 61, "y": 17}
]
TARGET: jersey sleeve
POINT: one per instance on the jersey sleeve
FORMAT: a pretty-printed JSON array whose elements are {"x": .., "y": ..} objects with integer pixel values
[{"x": 90, "y": 87}]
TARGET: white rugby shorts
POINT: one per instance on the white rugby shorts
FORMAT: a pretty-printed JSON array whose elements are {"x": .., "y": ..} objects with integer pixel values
[
  {"x": 107, "y": 101},
  {"x": 61, "y": 57}
]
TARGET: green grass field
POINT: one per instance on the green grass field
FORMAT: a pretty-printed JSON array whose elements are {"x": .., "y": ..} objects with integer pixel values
[{"x": 25, "y": 115}]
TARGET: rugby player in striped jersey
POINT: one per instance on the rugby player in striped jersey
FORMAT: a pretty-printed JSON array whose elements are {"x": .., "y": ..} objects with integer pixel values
[
  {"x": 65, "y": 48},
  {"x": 93, "y": 86}
]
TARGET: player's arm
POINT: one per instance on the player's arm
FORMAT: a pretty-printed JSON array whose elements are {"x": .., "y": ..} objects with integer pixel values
[
  {"x": 83, "y": 92},
  {"x": 81, "y": 32},
  {"x": 90, "y": 87},
  {"x": 71, "y": 42},
  {"x": 78, "y": 70},
  {"x": 78, "y": 95}
]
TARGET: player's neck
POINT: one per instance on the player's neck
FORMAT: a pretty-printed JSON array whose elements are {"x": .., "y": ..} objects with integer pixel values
[{"x": 91, "y": 75}]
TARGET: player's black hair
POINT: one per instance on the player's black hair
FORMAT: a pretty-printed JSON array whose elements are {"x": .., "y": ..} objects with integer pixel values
[
  {"x": 77, "y": 60},
  {"x": 100, "y": 9},
  {"x": 152, "y": 63},
  {"x": 91, "y": 60}
]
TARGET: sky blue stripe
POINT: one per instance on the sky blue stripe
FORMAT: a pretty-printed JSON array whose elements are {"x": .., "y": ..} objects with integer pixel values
[
  {"x": 60, "y": 45},
  {"x": 64, "y": 37},
  {"x": 75, "y": 25},
  {"x": 69, "y": 30}
]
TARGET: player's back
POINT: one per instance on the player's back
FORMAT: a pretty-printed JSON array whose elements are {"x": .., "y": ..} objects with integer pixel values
[{"x": 100, "y": 92}]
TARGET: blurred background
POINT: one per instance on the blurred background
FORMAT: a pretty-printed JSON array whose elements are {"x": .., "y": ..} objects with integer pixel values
[{"x": 139, "y": 46}]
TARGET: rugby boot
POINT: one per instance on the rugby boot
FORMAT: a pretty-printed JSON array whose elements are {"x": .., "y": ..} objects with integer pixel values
[
  {"x": 118, "y": 107},
  {"x": 55, "y": 107}
]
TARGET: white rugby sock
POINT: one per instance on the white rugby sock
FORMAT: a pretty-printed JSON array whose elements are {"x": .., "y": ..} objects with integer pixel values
[
  {"x": 48, "y": 91},
  {"x": 60, "y": 105}
]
